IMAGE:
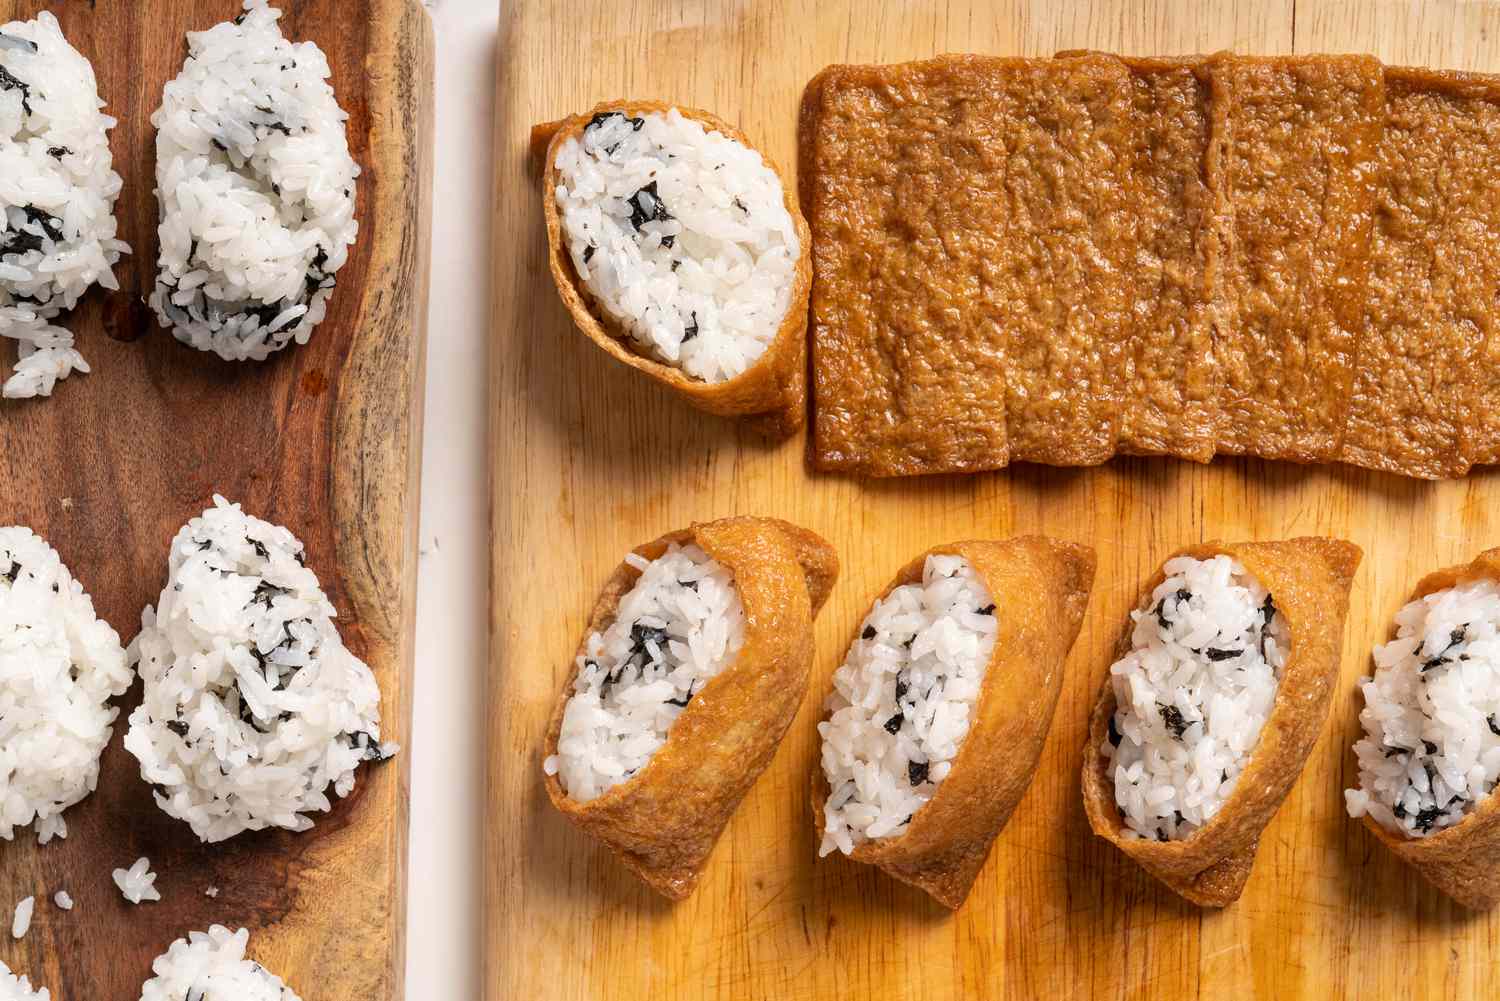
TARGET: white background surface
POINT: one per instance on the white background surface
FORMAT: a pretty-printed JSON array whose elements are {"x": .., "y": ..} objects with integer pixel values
[{"x": 447, "y": 741}]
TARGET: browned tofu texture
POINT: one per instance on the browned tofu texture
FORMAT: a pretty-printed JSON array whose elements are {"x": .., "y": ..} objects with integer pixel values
[{"x": 1059, "y": 260}]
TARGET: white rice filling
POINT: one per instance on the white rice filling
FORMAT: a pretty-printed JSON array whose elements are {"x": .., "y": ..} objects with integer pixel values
[
  {"x": 59, "y": 666},
  {"x": 16, "y": 988},
  {"x": 682, "y": 236},
  {"x": 1431, "y": 750},
  {"x": 256, "y": 186},
  {"x": 676, "y": 628},
  {"x": 1192, "y": 695},
  {"x": 212, "y": 966},
  {"x": 253, "y": 707},
  {"x": 57, "y": 196},
  {"x": 902, "y": 702}
]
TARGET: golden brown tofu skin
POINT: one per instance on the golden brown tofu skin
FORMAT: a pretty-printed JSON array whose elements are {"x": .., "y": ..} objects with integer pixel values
[
  {"x": 1462, "y": 861},
  {"x": 771, "y": 395},
  {"x": 1295, "y": 141},
  {"x": 1041, "y": 589},
  {"x": 1309, "y": 578},
  {"x": 1170, "y": 402},
  {"x": 1427, "y": 397},
  {"x": 663, "y": 822}
]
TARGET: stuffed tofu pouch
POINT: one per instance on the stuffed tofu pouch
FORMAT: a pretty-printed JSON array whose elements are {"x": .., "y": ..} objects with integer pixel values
[
  {"x": 941, "y": 707},
  {"x": 1430, "y": 755},
  {"x": 693, "y": 665},
  {"x": 1219, "y": 689},
  {"x": 678, "y": 248}
]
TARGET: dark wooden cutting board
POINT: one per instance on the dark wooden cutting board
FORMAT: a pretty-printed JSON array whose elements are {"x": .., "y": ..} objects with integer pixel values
[{"x": 323, "y": 438}]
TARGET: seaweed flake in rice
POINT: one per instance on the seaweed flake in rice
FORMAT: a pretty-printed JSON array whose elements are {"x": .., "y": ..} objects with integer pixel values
[
  {"x": 682, "y": 236},
  {"x": 679, "y": 625},
  {"x": 212, "y": 966},
  {"x": 18, "y": 988},
  {"x": 902, "y": 702},
  {"x": 1192, "y": 695},
  {"x": 256, "y": 186},
  {"x": 1430, "y": 752},
  {"x": 60, "y": 665},
  {"x": 57, "y": 195},
  {"x": 253, "y": 707}
]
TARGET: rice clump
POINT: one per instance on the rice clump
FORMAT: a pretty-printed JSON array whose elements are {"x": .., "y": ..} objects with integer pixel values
[
  {"x": 212, "y": 966},
  {"x": 253, "y": 706},
  {"x": 59, "y": 666},
  {"x": 137, "y": 883},
  {"x": 1431, "y": 749},
  {"x": 57, "y": 196},
  {"x": 676, "y": 628},
  {"x": 256, "y": 186},
  {"x": 14, "y": 988},
  {"x": 1192, "y": 695},
  {"x": 902, "y": 702},
  {"x": 682, "y": 236}
]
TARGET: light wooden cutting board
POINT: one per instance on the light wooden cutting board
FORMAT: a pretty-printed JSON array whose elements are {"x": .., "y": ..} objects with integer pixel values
[
  {"x": 589, "y": 460},
  {"x": 323, "y": 438}
]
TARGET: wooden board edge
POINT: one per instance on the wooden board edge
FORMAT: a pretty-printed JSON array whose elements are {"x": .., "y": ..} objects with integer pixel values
[{"x": 378, "y": 418}]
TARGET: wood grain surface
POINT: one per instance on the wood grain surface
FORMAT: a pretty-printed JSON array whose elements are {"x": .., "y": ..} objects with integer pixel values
[
  {"x": 589, "y": 461},
  {"x": 323, "y": 438}
]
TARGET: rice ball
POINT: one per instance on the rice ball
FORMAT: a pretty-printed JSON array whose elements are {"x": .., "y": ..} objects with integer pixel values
[
  {"x": 60, "y": 664},
  {"x": 211, "y": 966},
  {"x": 14, "y": 988},
  {"x": 253, "y": 707},
  {"x": 256, "y": 187},
  {"x": 57, "y": 197}
]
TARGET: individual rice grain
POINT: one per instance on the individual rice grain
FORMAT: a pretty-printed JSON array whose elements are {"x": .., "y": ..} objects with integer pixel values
[
  {"x": 1431, "y": 749},
  {"x": 59, "y": 667},
  {"x": 137, "y": 883},
  {"x": 902, "y": 702},
  {"x": 1192, "y": 695},
  {"x": 682, "y": 236},
  {"x": 212, "y": 966},
  {"x": 256, "y": 186},
  {"x": 63, "y": 900},
  {"x": 675, "y": 629},
  {"x": 253, "y": 708},
  {"x": 57, "y": 196},
  {"x": 21, "y": 923}
]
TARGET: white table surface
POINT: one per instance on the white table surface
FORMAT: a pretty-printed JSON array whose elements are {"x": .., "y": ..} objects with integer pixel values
[{"x": 447, "y": 741}]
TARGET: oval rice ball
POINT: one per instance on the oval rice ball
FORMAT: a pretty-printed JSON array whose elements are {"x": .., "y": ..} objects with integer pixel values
[
  {"x": 59, "y": 666},
  {"x": 682, "y": 236},
  {"x": 253, "y": 707},
  {"x": 57, "y": 197},
  {"x": 256, "y": 187},
  {"x": 212, "y": 966}
]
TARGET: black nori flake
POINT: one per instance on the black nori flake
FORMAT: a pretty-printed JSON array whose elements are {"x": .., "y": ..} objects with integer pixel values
[
  {"x": 8, "y": 82},
  {"x": 21, "y": 242},
  {"x": 868, "y": 634},
  {"x": 986, "y": 610},
  {"x": 1268, "y": 609},
  {"x": 893, "y": 725},
  {"x": 178, "y": 727},
  {"x": 640, "y": 635},
  {"x": 646, "y": 206},
  {"x": 691, "y": 585},
  {"x": 691, "y": 330},
  {"x": 259, "y": 547},
  {"x": 204, "y": 545},
  {"x": 11, "y": 574},
  {"x": 1428, "y": 665},
  {"x": 1399, "y": 809},
  {"x": 58, "y": 152},
  {"x": 1216, "y": 654},
  {"x": 1172, "y": 717},
  {"x": 1114, "y": 732},
  {"x": 1428, "y": 817},
  {"x": 1391, "y": 752},
  {"x": 902, "y": 687},
  {"x": 1494, "y": 727},
  {"x": 668, "y": 240},
  {"x": 741, "y": 205},
  {"x": 604, "y": 116},
  {"x": 1429, "y": 747},
  {"x": 1161, "y": 835},
  {"x": 685, "y": 700},
  {"x": 266, "y": 313},
  {"x": 1457, "y": 636},
  {"x": 588, "y": 253},
  {"x": 218, "y": 146},
  {"x": 266, "y": 593},
  {"x": 240, "y": 18},
  {"x": 916, "y": 772}
]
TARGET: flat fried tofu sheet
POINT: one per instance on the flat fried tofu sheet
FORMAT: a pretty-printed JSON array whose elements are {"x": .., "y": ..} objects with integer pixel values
[{"x": 1055, "y": 260}]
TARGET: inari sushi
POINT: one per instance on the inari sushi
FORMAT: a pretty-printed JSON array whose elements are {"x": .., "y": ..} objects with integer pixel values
[
  {"x": 677, "y": 248},
  {"x": 694, "y": 662},
  {"x": 1219, "y": 689},
  {"x": 941, "y": 707},
  {"x": 1430, "y": 754}
]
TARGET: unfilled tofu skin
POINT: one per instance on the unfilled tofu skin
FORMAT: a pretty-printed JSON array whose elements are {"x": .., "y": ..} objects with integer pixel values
[
  {"x": 1041, "y": 588},
  {"x": 663, "y": 822},
  {"x": 1309, "y": 578}
]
